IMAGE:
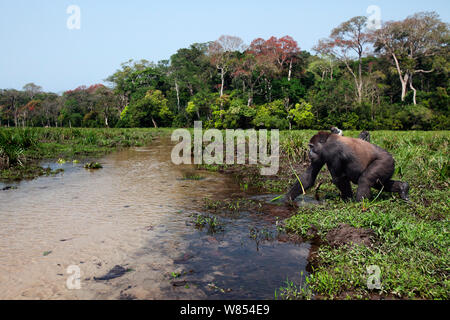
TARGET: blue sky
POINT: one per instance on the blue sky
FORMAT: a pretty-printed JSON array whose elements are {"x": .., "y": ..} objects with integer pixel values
[{"x": 37, "y": 46}]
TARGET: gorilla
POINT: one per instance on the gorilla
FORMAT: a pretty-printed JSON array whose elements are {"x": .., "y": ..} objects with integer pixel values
[
  {"x": 336, "y": 130},
  {"x": 350, "y": 160},
  {"x": 364, "y": 135}
]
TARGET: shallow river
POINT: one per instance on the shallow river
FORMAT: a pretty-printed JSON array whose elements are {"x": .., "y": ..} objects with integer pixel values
[{"x": 136, "y": 212}]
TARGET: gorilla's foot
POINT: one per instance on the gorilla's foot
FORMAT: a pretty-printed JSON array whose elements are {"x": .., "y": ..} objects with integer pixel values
[{"x": 404, "y": 191}]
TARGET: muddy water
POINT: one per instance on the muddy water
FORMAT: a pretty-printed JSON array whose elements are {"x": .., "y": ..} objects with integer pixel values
[{"x": 136, "y": 212}]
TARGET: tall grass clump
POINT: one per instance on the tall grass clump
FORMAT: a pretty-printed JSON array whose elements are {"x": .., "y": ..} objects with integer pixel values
[{"x": 13, "y": 144}]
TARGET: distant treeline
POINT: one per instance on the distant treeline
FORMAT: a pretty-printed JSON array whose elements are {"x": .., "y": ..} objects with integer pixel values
[{"x": 395, "y": 77}]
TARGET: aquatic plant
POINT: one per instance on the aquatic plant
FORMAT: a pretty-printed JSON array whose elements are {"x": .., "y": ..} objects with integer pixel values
[
  {"x": 93, "y": 165},
  {"x": 192, "y": 176},
  {"x": 208, "y": 221},
  {"x": 293, "y": 292}
]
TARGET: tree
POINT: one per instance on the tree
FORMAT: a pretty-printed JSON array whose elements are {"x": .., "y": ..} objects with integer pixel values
[
  {"x": 411, "y": 43},
  {"x": 13, "y": 100},
  {"x": 51, "y": 105},
  {"x": 252, "y": 68},
  {"x": 148, "y": 111},
  {"x": 31, "y": 89},
  {"x": 322, "y": 66},
  {"x": 107, "y": 104},
  {"x": 302, "y": 114},
  {"x": 190, "y": 71},
  {"x": 350, "y": 38},
  {"x": 122, "y": 80},
  {"x": 222, "y": 55}
]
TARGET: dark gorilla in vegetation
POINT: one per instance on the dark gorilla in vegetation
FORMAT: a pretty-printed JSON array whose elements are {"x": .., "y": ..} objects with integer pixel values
[{"x": 350, "y": 160}]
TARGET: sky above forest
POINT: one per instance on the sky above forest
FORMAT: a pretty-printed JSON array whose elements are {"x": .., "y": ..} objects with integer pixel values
[{"x": 40, "y": 45}]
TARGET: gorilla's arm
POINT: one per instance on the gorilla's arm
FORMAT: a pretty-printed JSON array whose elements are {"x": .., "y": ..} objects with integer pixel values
[{"x": 308, "y": 178}]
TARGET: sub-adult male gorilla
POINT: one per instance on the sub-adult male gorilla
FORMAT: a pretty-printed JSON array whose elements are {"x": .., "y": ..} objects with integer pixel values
[{"x": 350, "y": 160}]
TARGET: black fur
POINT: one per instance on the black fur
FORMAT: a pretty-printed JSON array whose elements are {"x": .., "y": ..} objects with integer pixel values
[
  {"x": 350, "y": 160},
  {"x": 364, "y": 135}
]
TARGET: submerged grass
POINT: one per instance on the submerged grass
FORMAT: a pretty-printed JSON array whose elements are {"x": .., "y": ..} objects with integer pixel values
[{"x": 22, "y": 148}]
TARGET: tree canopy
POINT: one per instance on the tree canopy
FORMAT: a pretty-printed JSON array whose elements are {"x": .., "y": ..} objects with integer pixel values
[{"x": 395, "y": 77}]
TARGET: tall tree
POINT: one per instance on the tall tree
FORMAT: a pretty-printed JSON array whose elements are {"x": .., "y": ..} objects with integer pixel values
[
  {"x": 411, "y": 43},
  {"x": 222, "y": 54},
  {"x": 32, "y": 89},
  {"x": 350, "y": 39},
  {"x": 122, "y": 80},
  {"x": 190, "y": 71},
  {"x": 13, "y": 100}
]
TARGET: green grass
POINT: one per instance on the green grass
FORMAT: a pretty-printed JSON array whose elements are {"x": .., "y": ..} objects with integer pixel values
[{"x": 21, "y": 149}]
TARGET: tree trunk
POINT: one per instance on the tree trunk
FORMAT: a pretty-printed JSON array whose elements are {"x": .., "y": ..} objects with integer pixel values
[
  {"x": 404, "y": 82},
  {"x": 403, "y": 79},
  {"x": 360, "y": 81},
  {"x": 413, "y": 89},
  {"x": 154, "y": 123},
  {"x": 250, "y": 97},
  {"x": 331, "y": 70},
  {"x": 178, "y": 95},
  {"x": 15, "y": 111},
  {"x": 290, "y": 70},
  {"x": 222, "y": 78},
  {"x": 355, "y": 78}
]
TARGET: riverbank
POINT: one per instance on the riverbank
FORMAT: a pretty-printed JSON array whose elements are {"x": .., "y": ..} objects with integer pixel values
[
  {"x": 407, "y": 242},
  {"x": 22, "y": 149}
]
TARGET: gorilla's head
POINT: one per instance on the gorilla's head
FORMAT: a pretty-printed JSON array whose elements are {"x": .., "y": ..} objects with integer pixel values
[{"x": 316, "y": 146}]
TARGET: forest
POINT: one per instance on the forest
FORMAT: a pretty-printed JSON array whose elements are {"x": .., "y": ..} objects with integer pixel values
[{"x": 394, "y": 78}]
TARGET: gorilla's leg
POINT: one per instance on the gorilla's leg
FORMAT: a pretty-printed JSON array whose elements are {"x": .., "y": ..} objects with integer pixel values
[
  {"x": 378, "y": 170},
  {"x": 402, "y": 188},
  {"x": 343, "y": 184}
]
